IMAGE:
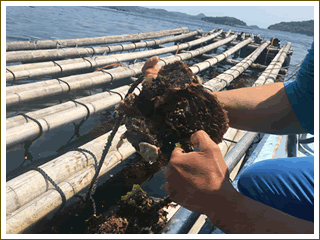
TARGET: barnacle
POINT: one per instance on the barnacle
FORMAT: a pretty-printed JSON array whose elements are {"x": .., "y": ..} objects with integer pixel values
[{"x": 174, "y": 104}]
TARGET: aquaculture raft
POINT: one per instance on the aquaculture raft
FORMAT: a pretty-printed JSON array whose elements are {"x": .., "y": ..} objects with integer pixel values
[{"x": 78, "y": 64}]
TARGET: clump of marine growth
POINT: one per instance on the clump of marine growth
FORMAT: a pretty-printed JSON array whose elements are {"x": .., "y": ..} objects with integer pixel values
[
  {"x": 135, "y": 213},
  {"x": 170, "y": 108}
]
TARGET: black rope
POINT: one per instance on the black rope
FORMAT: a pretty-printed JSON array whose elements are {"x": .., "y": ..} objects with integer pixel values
[
  {"x": 93, "y": 51},
  {"x": 65, "y": 83},
  {"x": 122, "y": 49},
  {"x": 108, "y": 144},
  {"x": 221, "y": 80},
  {"x": 27, "y": 143},
  {"x": 104, "y": 71},
  {"x": 208, "y": 88},
  {"x": 14, "y": 77},
  {"x": 77, "y": 126},
  {"x": 229, "y": 140},
  {"x": 83, "y": 196},
  {"x": 55, "y": 63},
  {"x": 58, "y": 189},
  {"x": 88, "y": 61},
  {"x": 58, "y": 44},
  {"x": 110, "y": 91}
]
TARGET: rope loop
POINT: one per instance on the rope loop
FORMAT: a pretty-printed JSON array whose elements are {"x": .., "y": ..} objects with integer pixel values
[
  {"x": 207, "y": 88},
  {"x": 58, "y": 189},
  {"x": 27, "y": 143},
  {"x": 77, "y": 126},
  {"x": 93, "y": 51},
  {"x": 65, "y": 83},
  {"x": 110, "y": 91},
  {"x": 55, "y": 63},
  {"x": 36, "y": 121},
  {"x": 14, "y": 77}
]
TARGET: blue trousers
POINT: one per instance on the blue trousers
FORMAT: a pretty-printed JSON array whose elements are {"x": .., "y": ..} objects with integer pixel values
[{"x": 286, "y": 184}]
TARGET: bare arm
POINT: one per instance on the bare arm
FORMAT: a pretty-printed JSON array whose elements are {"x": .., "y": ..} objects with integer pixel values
[{"x": 261, "y": 109}]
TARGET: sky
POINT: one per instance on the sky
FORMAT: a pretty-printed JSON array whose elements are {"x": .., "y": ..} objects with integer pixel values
[{"x": 262, "y": 14}]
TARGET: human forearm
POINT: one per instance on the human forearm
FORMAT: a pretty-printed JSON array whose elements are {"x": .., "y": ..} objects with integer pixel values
[
  {"x": 246, "y": 216},
  {"x": 260, "y": 109}
]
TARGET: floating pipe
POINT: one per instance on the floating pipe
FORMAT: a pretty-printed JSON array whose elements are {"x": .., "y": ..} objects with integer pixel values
[
  {"x": 234, "y": 156},
  {"x": 273, "y": 75},
  {"x": 42, "y": 44},
  {"x": 113, "y": 97},
  {"x": 33, "y": 91},
  {"x": 275, "y": 61},
  {"x": 253, "y": 45},
  {"x": 237, "y": 138},
  {"x": 29, "y": 185},
  {"x": 53, "y": 87},
  {"x": 222, "y": 80},
  {"x": 215, "y": 59},
  {"x": 33, "y": 211},
  {"x": 29, "y": 130},
  {"x": 254, "y": 66},
  {"x": 33, "y": 70},
  {"x": 55, "y": 54},
  {"x": 96, "y": 50}
]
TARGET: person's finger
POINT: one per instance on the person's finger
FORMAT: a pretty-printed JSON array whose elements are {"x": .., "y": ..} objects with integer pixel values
[
  {"x": 203, "y": 141},
  {"x": 177, "y": 152},
  {"x": 152, "y": 61}
]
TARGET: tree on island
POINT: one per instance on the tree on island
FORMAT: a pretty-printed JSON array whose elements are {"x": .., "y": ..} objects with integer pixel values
[
  {"x": 231, "y": 21},
  {"x": 304, "y": 27}
]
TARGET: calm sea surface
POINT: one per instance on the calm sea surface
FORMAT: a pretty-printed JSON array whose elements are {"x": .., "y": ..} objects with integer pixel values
[{"x": 40, "y": 23}]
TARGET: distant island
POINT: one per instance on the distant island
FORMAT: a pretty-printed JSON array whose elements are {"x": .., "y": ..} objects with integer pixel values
[
  {"x": 304, "y": 27},
  {"x": 253, "y": 26},
  {"x": 231, "y": 21}
]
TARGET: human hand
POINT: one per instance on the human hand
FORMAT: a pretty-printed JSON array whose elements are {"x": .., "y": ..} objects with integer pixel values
[
  {"x": 151, "y": 67},
  {"x": 199, "y": 181}
]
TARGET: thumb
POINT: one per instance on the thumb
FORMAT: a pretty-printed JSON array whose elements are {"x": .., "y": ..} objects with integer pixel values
[
  {"x": 152, "y": 61},
  {"x": 177, "y": 152},
  {"x": 203, "y": 141}
]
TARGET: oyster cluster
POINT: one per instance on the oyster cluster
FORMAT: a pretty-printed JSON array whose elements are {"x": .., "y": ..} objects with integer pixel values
[
  {"x": 170, "y": 108},
  {"x": 135, "y": 213}
]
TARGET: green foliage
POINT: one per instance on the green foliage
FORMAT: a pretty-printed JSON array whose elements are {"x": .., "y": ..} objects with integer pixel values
[
  {"x": 231, "y": 21},
  {"x": 304, "y": 27}
]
